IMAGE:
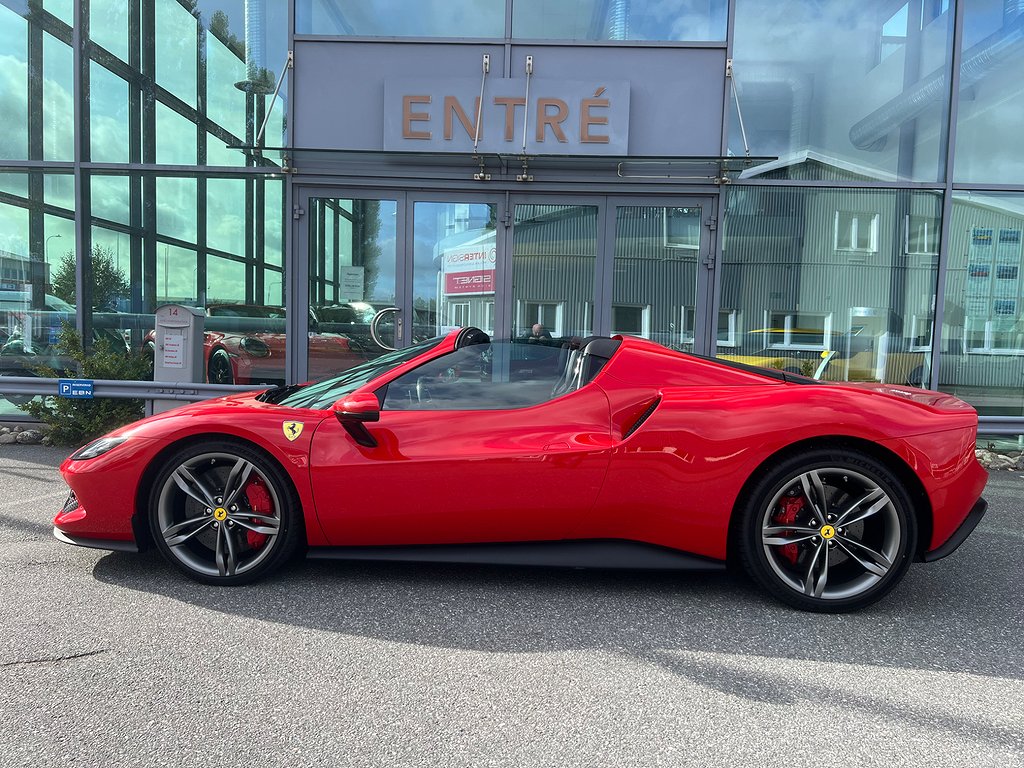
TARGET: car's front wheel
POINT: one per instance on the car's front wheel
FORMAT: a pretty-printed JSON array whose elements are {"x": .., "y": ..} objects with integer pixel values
[
  {"x": 223, "y": 513},
  {"x": 828, "y": 530}
]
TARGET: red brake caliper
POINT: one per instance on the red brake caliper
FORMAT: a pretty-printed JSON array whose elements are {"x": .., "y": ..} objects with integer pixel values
[
  {"x": 259, "y": 502},
  {"x": 789, "y": 507}
]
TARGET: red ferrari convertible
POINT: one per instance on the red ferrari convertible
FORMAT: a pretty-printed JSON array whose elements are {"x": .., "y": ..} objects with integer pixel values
[{"x": 614, "y": 452}]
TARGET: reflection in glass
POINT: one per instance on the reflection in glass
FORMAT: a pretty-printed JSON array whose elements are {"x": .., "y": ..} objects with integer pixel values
[
  {"x": 553, "y": 270},
  {"x": 352, "y": 258},
  {"x": 176, "y": 41},
  {"x": 14, "y": 92},
  {"x": 982, "y": 349},
  {"x": 176, "y": 207},
  {"x": 654, "y": 285},
  {"x": 108, "y": 26},
  {"x": 834, "y": 92},
  {"x": 58, "y": 104},
  {"x": 108, "y": 116},
  {"x": 795, "y": 297},
  {"x": 401, "y": 18},
  {"x": 455, "y": 262},
  {"x": 694, "y": 20},
  {"x": 175, "y": 137},
  {"x": 991, "y": 99}
]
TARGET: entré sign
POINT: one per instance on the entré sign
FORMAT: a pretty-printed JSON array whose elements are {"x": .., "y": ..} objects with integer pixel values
[{"x": 556, "y": 117}]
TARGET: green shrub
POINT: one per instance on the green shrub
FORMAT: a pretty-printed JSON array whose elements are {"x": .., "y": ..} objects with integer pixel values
[{"x": 77, "y": 421}]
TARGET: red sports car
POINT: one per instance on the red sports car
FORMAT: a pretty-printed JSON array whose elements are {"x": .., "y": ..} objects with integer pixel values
[
  {"x": 240, "y": 346},
  {"x": 615, "y": 452}
]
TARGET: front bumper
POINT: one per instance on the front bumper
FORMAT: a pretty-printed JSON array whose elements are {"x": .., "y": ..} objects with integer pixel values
[{"x": 960, "y": 534}]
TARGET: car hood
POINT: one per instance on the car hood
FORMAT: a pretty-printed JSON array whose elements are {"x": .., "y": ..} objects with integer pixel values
[{"x": 221, "y": 413}]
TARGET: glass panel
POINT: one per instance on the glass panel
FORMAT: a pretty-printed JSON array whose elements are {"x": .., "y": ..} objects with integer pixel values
[
  {"x": 14, "y": 85},
  {"x": 352, "y": 258},
  {"x": 694, "y": 20},
  {"x": 225, "y": 104},
  {"x": 134, "y": 273},
  {"x": 842, "y": 90},
  {"x": 654, "y": 284},
  {"x": 401, "y": 18},
  {"x": 62, "y": 9},
  {"x": 225, "y": 204},
  {"x": 175, "y": 137},
  {"x": 108, "y": 116},
  {"x": 176, "y": 41},
  {"x": 108, "y": 26},
  {"x": 176, "y": 208},
  {"x": 991, "y": 97},
  {"x": 554, "y": 253},
  {"x": 455, "y": 262},
  {"x": 58, "y": 102},
  {"x": 982, "y": 350},
  {"x": 110, "y": 198},
  {"x": 796, "y": 297},
  {"x": 35, "y": 297},
  {"x": 59, "y": 190}
]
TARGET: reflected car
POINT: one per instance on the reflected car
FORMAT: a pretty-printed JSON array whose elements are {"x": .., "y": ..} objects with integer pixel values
[
  {"x": 850, "y": 357},
  {"x": 614, "y": 452},
  {"x": 245, "y": 344}
]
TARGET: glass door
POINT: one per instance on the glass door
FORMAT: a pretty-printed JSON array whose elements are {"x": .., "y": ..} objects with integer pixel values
[
  {"x": 454, "y": 266},
  {"x": 553, "y": 267},
  {"x": 351, "y": 275}
]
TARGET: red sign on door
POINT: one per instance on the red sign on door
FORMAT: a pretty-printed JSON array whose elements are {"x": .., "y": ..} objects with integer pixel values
[{"x": 462, "y": 283}]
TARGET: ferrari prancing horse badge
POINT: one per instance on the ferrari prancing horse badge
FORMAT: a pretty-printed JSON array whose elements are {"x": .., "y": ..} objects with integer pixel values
[{"x": 292, "y": 430}]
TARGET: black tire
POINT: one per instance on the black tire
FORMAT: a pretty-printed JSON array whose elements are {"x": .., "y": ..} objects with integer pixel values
[
  {"x": 219, "y": 370},
  {"x": 781, "y": 535},
  {"x": 224, "y": 513}
]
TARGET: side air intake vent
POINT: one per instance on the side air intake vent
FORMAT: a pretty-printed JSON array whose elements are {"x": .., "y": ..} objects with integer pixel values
[{"x": 643, "y": 417}]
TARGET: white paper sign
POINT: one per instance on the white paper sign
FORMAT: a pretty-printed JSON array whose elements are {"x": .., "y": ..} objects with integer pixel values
[{"x": 174, "y": 350}]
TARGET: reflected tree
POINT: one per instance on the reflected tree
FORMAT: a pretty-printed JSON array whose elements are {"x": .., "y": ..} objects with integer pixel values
[{"x": 109, "y": 282}]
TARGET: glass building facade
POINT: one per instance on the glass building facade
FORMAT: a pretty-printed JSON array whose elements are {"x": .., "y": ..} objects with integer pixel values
[{"x": 843, "y": 198}]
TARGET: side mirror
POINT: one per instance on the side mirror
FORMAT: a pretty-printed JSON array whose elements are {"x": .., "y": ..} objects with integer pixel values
[
  {"x": 353, "y": 412},
  {"x": 363, "y": 407}
]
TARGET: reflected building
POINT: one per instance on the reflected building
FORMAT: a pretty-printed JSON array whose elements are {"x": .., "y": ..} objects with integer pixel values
[{"x": 812, "y": 185}]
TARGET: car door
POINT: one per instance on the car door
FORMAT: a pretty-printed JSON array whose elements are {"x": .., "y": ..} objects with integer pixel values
[{"x": 464, "y": 458}]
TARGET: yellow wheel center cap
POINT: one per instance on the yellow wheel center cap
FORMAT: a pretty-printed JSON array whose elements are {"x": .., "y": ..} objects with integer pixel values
[
  {"x": 220, "y": 513},
  {"x": 828, "y": 532}
]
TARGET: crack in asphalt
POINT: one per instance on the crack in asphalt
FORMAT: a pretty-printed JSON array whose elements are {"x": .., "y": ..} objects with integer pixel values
[{"x": 54, "y": 659}]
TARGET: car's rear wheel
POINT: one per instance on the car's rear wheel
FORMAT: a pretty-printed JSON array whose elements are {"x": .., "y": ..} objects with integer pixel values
[
  {"x": 220, "y": 371},
  {"x": 828, "y": 531},
  {"x": 223, "y": 513}
]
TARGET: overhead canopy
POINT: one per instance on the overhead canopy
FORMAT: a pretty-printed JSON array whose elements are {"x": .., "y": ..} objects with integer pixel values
[{"x": 507, "y": 167}]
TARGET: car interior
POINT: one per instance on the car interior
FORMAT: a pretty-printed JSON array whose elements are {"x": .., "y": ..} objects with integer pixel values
[{"x": 485, "y": 375}]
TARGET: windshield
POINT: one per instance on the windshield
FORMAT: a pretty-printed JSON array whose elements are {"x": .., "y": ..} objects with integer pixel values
[{"x": 323, "y": 394}]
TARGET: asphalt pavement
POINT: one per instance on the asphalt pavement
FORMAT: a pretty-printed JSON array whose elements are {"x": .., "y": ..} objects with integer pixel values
[{"x": 110, "y": 659}]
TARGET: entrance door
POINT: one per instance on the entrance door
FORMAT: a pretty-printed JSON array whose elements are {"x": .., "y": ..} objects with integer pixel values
[
  {"x": 514, "y": 265},
  {"x": 609, "y": 265}
]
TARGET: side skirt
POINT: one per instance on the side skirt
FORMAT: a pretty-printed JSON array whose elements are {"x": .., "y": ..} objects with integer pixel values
[{"x": 593, "y": 553}]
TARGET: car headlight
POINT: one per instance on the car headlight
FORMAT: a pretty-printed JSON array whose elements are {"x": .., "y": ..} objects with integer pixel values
[
  {"x": 97, "y": 448},
  {"x": 255, "y": 347}
]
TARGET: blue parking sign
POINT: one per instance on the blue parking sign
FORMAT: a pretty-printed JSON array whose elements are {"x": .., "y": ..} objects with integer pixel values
[{"x": 74, "y": 388}]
